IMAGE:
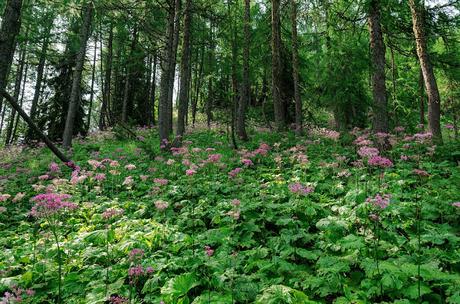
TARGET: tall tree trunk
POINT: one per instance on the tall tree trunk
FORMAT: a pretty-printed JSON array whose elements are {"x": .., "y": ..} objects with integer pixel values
[
  {"x": 276, "y": 67},
  {"x": 431, "y": 86},
  {"x": 295, "y": 69},
  {"x": 39, "y": 80},
  {"x": 21, "y": 103},
  {"x": 126, "y": 93},
  {"x": 172, "y": 71},
  {"x": 210, "y": 97},
  {"x": 154, "y": 86},
  {"x": 198, "y": 83},
  {"x": 108, "y": 82},
  {"x": 11, "y": 25},
  {"x": 93, "y": 78},
  {"x": 184, "y": 91},
  {"x": 76, "y": 81},
  {"x": 377, "y": 46},
  {"x": 246, "y": 90},
  {"x": 166, "y": 81},
  {"x": 234, "y": 47},
  {"x": 421, "y": 89},
  {"x": 17, "y": 92}
]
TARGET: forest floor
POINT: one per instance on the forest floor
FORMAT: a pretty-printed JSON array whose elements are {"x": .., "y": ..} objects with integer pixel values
[{"x": 284, "y": 219}]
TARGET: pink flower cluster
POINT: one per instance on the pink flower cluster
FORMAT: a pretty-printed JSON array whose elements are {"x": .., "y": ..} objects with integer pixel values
[
  {"x": 118, "y": 300},
  {"x": 110, "y": 213},
  {"x": 456, "y": 204},
  {"x": 208, "y": 250},
  {"x": 136, "y": 254},
  {"x": 380, "y": 201},
  {"x": 16, "y": 295},
  {"x": 298, "y": 188},
  {"x": 51, "y": 203},
  {"x": 368, "y": 152},
  {"x": 379, "y": 161},
  {"x": 421, "y": 173},
  {"x": 54, "y": 167},
  {"x": 160, "y": 181},
  {"x": 161, "y": 205},
  {"x": 234, "y": 172},
  {"x": 214, "y": 158}
]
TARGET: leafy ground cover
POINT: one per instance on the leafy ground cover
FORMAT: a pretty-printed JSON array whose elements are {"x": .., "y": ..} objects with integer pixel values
[{"x": 326, "y": 218}]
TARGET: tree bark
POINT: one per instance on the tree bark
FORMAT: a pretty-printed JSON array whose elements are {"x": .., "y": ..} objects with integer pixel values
[
  {"x": 93, "y": 78},
  {"x": 108, "y": 82},
  {"x": 39, "y": 80},
  {"x": 21, "y": 103},
  {"x": 276, "y": 67},
  {"x": 295, "y": 69},
  {"x": 246, "y": 90},
  {"x": 431, "y": 86},
  {"x": 377, "y": 47},
  {"x": 184, "y": 91},
  {"x": 126, "y": 92},
  {"x": 11, "y": 25},
  {"x": 154, "y": 86},
  {"x": 17, "y": 92},
  {"x": 421, "y": 89},
  {"x": 172, "y": 71},
  {"x": 166, "y": 81},
  {"x": 76, "y": 81}
]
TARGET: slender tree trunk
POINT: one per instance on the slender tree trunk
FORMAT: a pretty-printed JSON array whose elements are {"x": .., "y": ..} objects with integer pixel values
[
  {"x": 421, "y": 89},
  {"x": 108, "y": 82},
  {"x": 295, "y": 69},
  {"x": 16, "y": 94},
  {"x": 377, "y": 46},
  {"x": 93, "y": 78},
  {"x": 276, "y": 67},
  {"x": 39, "y": 80},
  {"x": 166, "y": 81},
  {"x": 11, "y": 25},
  {"x": 184, "y": 91},
  {"x": 246, "y": 90},
  {"x": 154, "y": 86},
  {"x": 76, "y": 82},
  {"x": 198, "y": 81},
  {"x": 172, "y": 71},
  {"x": 234, "y": 76},
  {"x": 431, "y": 86},
  {"x": 21, "y": 103},
  {"x": 210, "y": 97},
  {"x": 124, "y": 111}
]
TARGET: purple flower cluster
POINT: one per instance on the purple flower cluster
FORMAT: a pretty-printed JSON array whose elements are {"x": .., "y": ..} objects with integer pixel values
[
  {"x": 51, "y": 203},
  {"x": 110, "y": 213},
  {"x": 298, "y": 188},
  {"x": 368, "y": 151},
  {"x": 118, "y": 300},
  {"x": 379, "y": 161},
  {"x": 381, "y": 201}
]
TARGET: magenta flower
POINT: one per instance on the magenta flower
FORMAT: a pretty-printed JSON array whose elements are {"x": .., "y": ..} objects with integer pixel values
[
  {"x": 160, "y": 181},
  {"x": 298, "y": 188},
  {"x": 449, "y": 126},
  {"x": 54, "y": 167},
  {"x": 368, "y": 151},
  {"x": 190, "y": 172},
  {"x": 100, "y": 177},
  {"x": 136, "y": 253},
  {"x": 247, "y": 162},
  {"x": 379, "y": 161},
  {"x": 110, "y": 213},
  {"x": 209, "y": 251},
  {"x": 161, "y": 205},
  {"x": 136, "y": 271},
  {"x": 236, "y": 202},
  {"x": 214, "y": 158},
  {"x": 380, "y": 201},
  {"x": 456, "y": 204},
  {"x": 234, "y": 172},
  {"x": 51, "y": 203},
  {"x": 118, "y": 300}
]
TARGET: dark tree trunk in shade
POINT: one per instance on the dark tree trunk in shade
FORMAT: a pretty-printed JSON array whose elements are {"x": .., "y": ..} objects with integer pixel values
[
  {"x": 377, "y": 48},
  {"x": 211, "y": 58},
  {"x": 106, "y": 95},
  {"x": 16, "y": 93},
  {"x": 39, "y": 79},
  {"x": 431, "y": 86},
  {"x": 11, "y": 25},
  {"x": 198, "y": 84},
  {"x": 77, "y": 75},
  {"x": 126, "y": 92},
  {"x": 246, "y": 88},
  {"x": 295, "y": 69},
  {"x": 184, "y": 91},
  {"x": 172, "y": 71},
  {"x": 279, "y": 110},
  {"x": 21, "y": 103},
  {"x": 166, "y": 81},
  {"x": 154, "y": 86},
  {"x": 421, "y": 89}
]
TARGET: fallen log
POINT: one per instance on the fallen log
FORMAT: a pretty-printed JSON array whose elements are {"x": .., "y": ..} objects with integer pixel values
[{"x": 12, "y": 101}]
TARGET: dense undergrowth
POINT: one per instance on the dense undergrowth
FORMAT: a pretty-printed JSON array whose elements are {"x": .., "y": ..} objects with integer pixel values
[{"x": 316, "y": 219}]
